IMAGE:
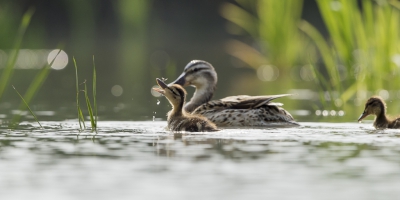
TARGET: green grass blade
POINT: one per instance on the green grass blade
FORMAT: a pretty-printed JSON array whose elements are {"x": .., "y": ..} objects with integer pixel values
[
  {"x": 240, "y": 17},
  {"x": 94, "y": 94},
  {"x": 89, "y": 107},
  {"x": 9, "y": 69},
  {"x": 26, "y": 104},
  {"x": 81, "y": 119}
]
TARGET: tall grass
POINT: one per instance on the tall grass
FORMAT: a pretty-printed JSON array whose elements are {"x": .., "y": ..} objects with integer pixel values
[
  {"x": 9, "y": 69},
  {"x": 94, "y": 93},
  {"x": 81, "y": 119},
  {"x": 274, "y": 27},
  {"x": 92, "y": 110},
  {"x": 362, "y": 53}
]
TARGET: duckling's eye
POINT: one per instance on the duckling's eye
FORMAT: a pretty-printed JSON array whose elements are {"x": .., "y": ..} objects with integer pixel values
[
  {"x": 196, "y": 69},
  {"x": 173, "y": 92}
]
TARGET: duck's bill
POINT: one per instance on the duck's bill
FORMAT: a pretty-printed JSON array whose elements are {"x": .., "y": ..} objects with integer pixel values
[
  {"x": 159, "y": 90},
  {"x": 180, "y": 80},
  {"x": 362, "y": 116},
  {"x": 161, "y": 83}
]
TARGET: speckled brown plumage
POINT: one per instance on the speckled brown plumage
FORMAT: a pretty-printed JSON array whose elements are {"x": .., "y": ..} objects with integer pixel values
[
  {"x": 246, "y": 110},
  {"x": 235, "y": 111},
  {"x": 190, "y": 123},
  {"x": 377, "y": 106},
  {"x": 178, "y": 119}
]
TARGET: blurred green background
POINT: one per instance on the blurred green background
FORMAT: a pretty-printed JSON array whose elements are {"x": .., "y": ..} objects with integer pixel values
[{"x": 332, "y": 54}]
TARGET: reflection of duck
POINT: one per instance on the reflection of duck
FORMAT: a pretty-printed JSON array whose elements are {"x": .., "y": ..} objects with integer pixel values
[
  {"x": 240, "y": 110},
  {"x": 178, "y": 119},
  {"x": 376, "y": 106}
]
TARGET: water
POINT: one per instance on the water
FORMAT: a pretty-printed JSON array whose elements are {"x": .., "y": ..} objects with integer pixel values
[{"x": 140, "y": 160}]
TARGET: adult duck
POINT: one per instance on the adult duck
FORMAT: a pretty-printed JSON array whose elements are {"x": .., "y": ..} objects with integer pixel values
[{"x": 232, "y": 111}]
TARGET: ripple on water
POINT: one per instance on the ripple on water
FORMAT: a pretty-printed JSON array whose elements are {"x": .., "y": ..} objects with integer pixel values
[{"x": 142, "y": 159}]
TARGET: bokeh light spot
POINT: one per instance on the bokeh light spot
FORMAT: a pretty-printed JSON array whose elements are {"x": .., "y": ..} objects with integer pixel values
[
  {"x": 306, "y": 73},
  {"x": 267, "y": 73},
  {"x": 336, "y": 5},
  {"x": 117, "y": 90},
  {"x": 60, "y": 61},
  {"x": 384, "y": 94},
  {"x": 338, "y": 102},
  {"x": 155, "y": 93},
  {"x": 396, "y": 60}
]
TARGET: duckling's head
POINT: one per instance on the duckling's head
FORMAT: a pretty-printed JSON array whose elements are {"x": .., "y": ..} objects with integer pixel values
[
  {"x": 198, "y": 73},
  {"x": 174, "y": 93},
  {"x": 374, "y": 106}
]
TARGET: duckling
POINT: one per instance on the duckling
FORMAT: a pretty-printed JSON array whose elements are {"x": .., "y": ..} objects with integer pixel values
[
  {"x": 242, "y": 110},
  {"x": 377, "y": 106},
  {"x": 179, "y": 119}
]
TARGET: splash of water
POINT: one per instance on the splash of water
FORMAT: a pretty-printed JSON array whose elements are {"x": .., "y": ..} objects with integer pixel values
[{"x": 158, "y": 102}]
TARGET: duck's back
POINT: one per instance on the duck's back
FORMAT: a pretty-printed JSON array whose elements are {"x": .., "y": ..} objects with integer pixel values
[
  {"x": 395, "y": 124},
  {"x": 246, "y": 111},
  {"x": 191, "y": 123}
]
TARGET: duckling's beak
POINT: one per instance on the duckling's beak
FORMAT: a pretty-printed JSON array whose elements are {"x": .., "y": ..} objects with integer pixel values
[
  {"x": 162, "y": 85},
  {"x": 362, "y": 116},
  {"x": 159, "y": 90},
  {"x": 181, "y": 80}
]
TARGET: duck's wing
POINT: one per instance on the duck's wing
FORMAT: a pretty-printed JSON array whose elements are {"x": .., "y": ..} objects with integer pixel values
[
  {"x": 239, "y": 102},
  {"x": 249, "y": 102}
]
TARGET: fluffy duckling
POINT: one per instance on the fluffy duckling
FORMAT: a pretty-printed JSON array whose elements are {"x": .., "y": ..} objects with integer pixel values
[
  {"x": 178, "y": 119},
  {"x": 232, "y": 111},
  {"x": 376, "y": 106}
]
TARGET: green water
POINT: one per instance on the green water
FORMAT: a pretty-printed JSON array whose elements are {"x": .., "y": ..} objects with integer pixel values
[{"x": 141, "y": 160}]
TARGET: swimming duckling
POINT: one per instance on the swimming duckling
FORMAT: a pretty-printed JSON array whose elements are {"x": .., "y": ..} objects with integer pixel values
[
  {"x": 179, "y": 119},
  {"x": 376, "y": 106},
  {"x": 242, "y": 110}
]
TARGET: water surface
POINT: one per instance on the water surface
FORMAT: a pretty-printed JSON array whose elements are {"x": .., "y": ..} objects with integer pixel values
[{"x": 141, "y": 160}]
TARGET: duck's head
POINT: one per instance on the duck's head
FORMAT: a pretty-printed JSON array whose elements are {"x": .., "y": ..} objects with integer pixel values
[
  {"x": 173, "y": 92},
  {"x": 198, "y": 73},
  {"x": 374, "y": 106}
]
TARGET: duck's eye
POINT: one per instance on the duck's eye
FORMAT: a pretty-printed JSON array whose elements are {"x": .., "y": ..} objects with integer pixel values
[{"x": 196, "y": 69}]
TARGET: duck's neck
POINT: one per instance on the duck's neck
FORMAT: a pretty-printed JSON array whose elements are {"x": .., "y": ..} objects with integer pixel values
[
  {"x": 203, "y": 94},
  {"x": 381, "y": 120},
  {"x": 177, "y": 110}
]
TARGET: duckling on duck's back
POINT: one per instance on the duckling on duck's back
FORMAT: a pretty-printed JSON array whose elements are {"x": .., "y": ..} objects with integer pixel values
[
  {"x": 376, "y": 106},
  {"x": 178, "y": 119},
  {"x": 242, "y": 110}
]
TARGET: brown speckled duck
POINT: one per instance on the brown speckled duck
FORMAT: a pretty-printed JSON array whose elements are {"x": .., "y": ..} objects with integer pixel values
[
  {"x": 376, "y": 106},
  {"x": 233, "y": 111},
  {"x": 179, "y": 119}
]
